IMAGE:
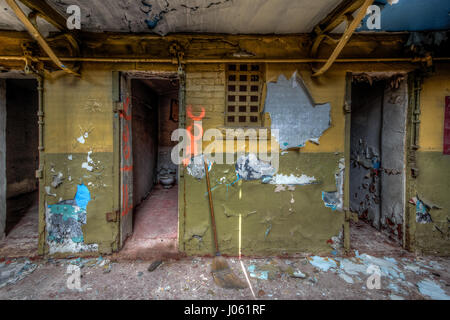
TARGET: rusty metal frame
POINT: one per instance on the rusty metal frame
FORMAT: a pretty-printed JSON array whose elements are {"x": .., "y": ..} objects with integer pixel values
[
  {"x": 344, "y": 12},
  {"x": 34, "y": 32}
]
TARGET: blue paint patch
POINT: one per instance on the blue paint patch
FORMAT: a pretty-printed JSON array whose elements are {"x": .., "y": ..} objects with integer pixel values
[
  {"x": 330, "y": 199},
  {"x": 322, "y": 263},
  {"x": 422, "y": 214},
  {"x": 83, "y": 196},
  {"x": 376, "y": 164},
  {"x": 267, "y": 231},
  {"x": 412, "y": 15},
  {"x": 152, "y": 23}
]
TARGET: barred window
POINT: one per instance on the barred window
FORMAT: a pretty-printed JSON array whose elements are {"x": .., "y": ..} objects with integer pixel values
[{"x": 243, "y": 97}]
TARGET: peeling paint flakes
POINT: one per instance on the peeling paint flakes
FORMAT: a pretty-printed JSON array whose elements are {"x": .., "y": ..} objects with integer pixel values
[
  {"x": 431, "y": 289},
  {"x": 47, "y": 190},
  {"x": 87, "y": 165},
  {"x": 249, "y": 167},
  {"x": 292, "y": 180},
  {"x": 63, "y": 224},
  {"x": 294, "y": 113},
  {"x": 346, "y": 278},
  {"x": 57, "y": 180},
  {"x": 322, "y": 263}
]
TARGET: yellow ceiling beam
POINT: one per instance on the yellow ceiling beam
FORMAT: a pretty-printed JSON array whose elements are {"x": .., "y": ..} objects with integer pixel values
[
  {"x": 352, "y": 24},
  {"x": 34, "y": 32}
]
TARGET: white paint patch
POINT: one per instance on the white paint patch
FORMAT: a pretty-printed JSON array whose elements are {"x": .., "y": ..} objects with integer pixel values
[
  {"x": 69, "y": 157},
  {"x": 291, "y": 179},
  {"x": 57, "y": 180},
  {"x": 87, "y": 165},
  {"x": 47, "y": 190},
  {"x": 71, "y": 247},
  {"x": 81, "y": 140}
]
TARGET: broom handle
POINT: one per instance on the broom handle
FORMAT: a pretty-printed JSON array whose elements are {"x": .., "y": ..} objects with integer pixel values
[{"x": 213, "y": 220}]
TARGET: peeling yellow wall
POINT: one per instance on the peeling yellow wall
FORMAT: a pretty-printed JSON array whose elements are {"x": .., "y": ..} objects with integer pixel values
[
  {"x": 76, "y": 106},
  {"x": 205, "y": 87},
  {"x": 329, "y": 88},
  {"x": 432, "y": 104},
  {"x": 433, "y": 182}
]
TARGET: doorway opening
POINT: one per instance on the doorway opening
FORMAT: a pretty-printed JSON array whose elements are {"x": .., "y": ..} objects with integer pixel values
[
  {"x": 378, "y": 160},
  {"x": 154, "y": 110},
  {"x": 19, "y": 141}
]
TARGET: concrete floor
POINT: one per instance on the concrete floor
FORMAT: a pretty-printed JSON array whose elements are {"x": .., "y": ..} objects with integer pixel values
[
  {"x": 155, "y": 227},
  {"x": 125, "y": 276},
  {"x": 190, "y": 278},
  {"x": 22, "y": 235}
]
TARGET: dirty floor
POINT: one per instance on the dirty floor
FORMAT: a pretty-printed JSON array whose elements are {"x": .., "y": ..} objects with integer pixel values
[
  {"x": 189, "y": 278},
  {"x": 22, "y": 237},
  {"x": 376, "y": 269},
  {"x": 155, "y": 227}
]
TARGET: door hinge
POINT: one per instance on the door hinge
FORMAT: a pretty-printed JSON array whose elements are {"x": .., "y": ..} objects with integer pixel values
[
  {"x": 39, "y": 174},
  {"x": 118, "y": 107},
  {"x": 112, "y": 216}
]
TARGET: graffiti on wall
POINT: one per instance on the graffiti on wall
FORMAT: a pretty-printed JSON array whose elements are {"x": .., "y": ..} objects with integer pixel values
[{"x": 127, "y": 167}]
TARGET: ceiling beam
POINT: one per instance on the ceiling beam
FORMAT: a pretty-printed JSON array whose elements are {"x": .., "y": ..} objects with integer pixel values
[
  {"x": 34, "y": 32},
  {"x": 49, "y": 13},
  {"x": 344, "y": 12},
  {"x": 337, "y": 16}
]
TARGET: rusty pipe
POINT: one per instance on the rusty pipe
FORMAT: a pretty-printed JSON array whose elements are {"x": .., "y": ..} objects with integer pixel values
[
  {"x": 224, "y": 60},
  {"x": 34, "y": 32}
]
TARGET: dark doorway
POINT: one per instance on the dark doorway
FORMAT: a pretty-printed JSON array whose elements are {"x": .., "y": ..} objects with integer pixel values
[
  {"x": 22, "y": 161},
  {"x": 155, "y": 199},
  {"x": 377, "y": 154}
]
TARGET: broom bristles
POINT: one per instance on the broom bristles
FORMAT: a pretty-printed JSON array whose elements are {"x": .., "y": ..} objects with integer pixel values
[
  {"x": 224, "y": 276},
  {"x": 219, "y": 263}
]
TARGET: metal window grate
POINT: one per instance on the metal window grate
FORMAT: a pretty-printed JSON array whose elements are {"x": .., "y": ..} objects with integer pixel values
[{"x": 243, "y": 96}]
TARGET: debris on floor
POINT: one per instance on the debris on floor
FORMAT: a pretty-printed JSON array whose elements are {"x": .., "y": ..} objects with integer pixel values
[
  {"x": 310, "y": 277},
  {"x": 432, "y": 289},
  {"x": 13, "y": 271},
  {"x": 322, "y": 263},
  {"x": 154, "y": 265}
]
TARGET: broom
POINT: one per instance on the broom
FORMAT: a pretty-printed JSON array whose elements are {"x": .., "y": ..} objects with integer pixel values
[{"x": 222, "y": 274}]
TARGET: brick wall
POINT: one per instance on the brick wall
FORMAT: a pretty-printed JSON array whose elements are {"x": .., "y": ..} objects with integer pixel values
[{"x": 205, "y": 87}]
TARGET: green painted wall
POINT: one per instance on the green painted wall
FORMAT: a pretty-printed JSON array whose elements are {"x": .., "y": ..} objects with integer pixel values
[
  {"x": 433, "y": 186},
  {"x": 272, "y": 222}
]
